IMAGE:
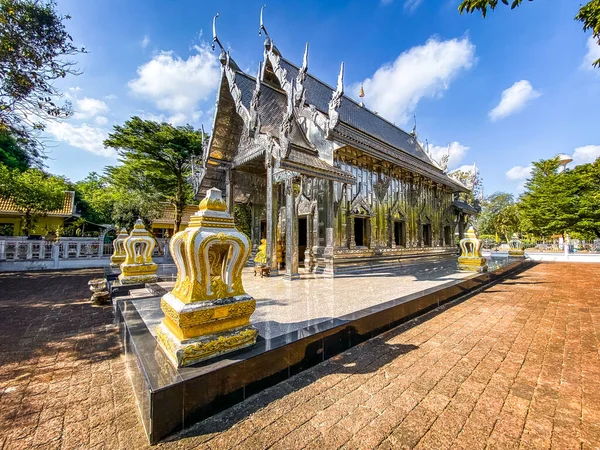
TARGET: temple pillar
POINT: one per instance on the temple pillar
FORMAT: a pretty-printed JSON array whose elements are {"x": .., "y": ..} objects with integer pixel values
[
  {"x": 308, "y": 253},
  {"x": 329, "y": 228},
  {"x": 291, "y": 232},
  {"x": 229, "y": 190},
  {"x": 271, "y": 221}
]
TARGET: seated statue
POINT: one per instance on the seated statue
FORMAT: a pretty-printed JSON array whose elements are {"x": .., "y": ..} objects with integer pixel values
[{"x": 261, "y": 256}]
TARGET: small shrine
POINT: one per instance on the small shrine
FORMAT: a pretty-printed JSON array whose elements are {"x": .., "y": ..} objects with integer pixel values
[
  {"x": 208, "y": 312},
  {"x": 118, "y": 256},
  {"x": 470, "y": 259},
  {"x": 516, "y": 247},
  {"x": 138, "y": 266}
]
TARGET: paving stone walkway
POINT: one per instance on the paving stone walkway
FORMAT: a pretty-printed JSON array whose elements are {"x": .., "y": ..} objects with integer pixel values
[{"x": 515, "y": 366}]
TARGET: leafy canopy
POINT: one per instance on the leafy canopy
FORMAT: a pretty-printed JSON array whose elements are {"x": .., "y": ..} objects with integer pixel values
[
  {"x": 155, "y": 160},
  {"x": 589, "y": 14},
  {"x": 34, "y": 47},
  {"x": 12, "y": 153}
]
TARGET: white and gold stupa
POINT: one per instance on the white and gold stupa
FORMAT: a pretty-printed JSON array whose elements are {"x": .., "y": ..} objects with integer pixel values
[
  {"x": 208, "y": 312},
  {"x": 138, "y": 266},
  {"x": 470, "y": 259}
]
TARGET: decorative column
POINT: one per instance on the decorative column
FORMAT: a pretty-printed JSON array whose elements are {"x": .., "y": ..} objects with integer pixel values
[
  {"x": 229, "y": 191},
  {"x": 291, "y": 232},
  {"x": 329, "y": 224},
  {"x": 208, "y": 311},
  {"x": 470, "y": 259},
  {"x": 118, "y": 256},
  {"x": 271, "y": 220},
  {"x": 138, "y": 266}
]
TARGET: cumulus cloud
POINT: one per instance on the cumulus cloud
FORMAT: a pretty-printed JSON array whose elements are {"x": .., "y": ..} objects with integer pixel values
[
  {"x": 457, "y": 153},
  {"x": 395, "y": 89},
  {"x": 176, "y": 85},
  {"x": 87, "y": 107},
  {"x": 101, "y": 120},
  {"x": 81, "y": 136},
  {"x": 518, "y": 172},
  {"x": 145, "y": 41},
  {"x": 586, "y": 154},
  {"x": 593, "y": 54},
  {"x": 514, "y": 99}
]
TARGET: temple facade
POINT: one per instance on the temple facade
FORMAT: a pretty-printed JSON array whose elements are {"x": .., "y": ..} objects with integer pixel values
[{"x": 333, "y": 185}]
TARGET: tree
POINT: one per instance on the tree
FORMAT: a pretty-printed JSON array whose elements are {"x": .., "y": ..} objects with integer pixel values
[
  {"x": 586, "y": 178},
  {"x": 95, "y": 198},
  {"x": 33, "y": 192},
  {"x": 156, "y": 160},
  {"x": 499, "y": 215},
  {"x": 34, "y": 45},
  {"x": 130, "y": 206},
  {"x": 549, "y": 204},
  {"x": 589, "y": 14},
  {"x": 12, "y": 154}
]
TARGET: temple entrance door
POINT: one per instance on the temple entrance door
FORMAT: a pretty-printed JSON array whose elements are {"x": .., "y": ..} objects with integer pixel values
[
  {"x": 302, "y": 236},
  {"x": 263, "y": 229}
]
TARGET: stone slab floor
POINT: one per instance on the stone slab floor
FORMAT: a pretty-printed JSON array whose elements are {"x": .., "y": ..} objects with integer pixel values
[{"x": 514, "y": 366}]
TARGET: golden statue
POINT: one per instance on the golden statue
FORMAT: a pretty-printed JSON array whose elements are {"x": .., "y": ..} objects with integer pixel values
[
  {"x": 208, "y": 312},
  {"x": 260, "y": 259},
  {"x": 118, "y": 256},
  {"x": 471, "y": 259},
  {"x": 138, "y": 266},
  {"x": 516, "y": 247}
]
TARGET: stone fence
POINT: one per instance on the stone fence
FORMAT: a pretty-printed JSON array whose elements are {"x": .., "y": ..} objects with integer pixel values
[{"x": 18, "y": 254}]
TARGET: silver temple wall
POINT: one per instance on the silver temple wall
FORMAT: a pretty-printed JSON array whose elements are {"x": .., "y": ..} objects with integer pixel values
[{"x": 330, "y": 183}]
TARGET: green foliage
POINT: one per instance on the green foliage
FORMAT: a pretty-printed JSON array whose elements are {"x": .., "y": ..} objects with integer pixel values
[
  {"x": 130, "y": 206},
  {"x": 34, "y": 192},
  {"x": 499, "y": 216},
  {"x": 242, "y": 215},
  {"x": 156, "y": 160},
  {"x": 95, "y": 199},
  {"x": 13, "y": 155},
  {"x": 589, "y": 14},
  {"x": 33, "y": 46}
]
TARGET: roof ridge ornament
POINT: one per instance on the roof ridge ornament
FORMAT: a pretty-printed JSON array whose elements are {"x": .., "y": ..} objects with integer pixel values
[
  {"x": 254, "y": 123},
  {"x": 262, "y": 28},
  {"x": 215, "y": 38},
  {"x": 336, "y": 101}
]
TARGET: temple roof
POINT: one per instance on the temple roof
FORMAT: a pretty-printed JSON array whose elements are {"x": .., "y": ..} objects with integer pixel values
[
  {"x": 359, "y": 117},
  {"x": 7, "y": 206}
]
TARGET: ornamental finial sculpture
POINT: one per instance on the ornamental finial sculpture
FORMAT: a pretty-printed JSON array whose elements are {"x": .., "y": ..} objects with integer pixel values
[
  {"x": 262, "y": 28},
  {"x": 208, "y": 311},
  {"x": 138, "y": 266},
  {"x": 470, "y": 259},
  {"x": 516, "y": 247},
  {"x": 215, "y": 38},
  {"x": 118, "y": 255}
]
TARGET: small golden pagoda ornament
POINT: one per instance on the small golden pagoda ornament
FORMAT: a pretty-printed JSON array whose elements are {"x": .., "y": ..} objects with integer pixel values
[
  {"x": 208, "y": 312},
  {"x": 516, "y": 247},
  {"x": 118, "y": 256},
  {"x": 471, "y": 259},
  {"x": 138, "y": 266}
]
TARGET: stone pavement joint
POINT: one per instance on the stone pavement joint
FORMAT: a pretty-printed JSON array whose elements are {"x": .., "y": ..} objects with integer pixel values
[{"x": 516, "y": 365}]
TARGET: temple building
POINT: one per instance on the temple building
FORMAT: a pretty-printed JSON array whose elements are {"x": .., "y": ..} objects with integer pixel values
[{"x": 336, "y": 185}]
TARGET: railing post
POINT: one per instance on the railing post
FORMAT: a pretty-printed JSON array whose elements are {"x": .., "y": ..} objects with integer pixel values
[
  {"x": 100, "y": 248},
  {"x": 29, "y": 254},
  {"x": 42, "y": 249},
  {"x": 56, "y": 253},
  {"x": 2, "y": 250},
  {"x": 77, "y": 253}
]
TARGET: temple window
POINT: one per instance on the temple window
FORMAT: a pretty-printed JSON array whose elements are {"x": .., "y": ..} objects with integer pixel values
[
  {"x": 361, "y": 231},
  {"x": 399, "y": 233}
]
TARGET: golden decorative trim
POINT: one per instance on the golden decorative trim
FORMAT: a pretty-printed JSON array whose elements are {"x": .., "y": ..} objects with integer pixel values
[
  {"x": 212, "y": 204},
  {"x": 199, "y": 351}
]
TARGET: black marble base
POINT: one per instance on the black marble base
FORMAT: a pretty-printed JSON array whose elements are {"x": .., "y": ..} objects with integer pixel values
[
  {"x": 111, "y": 273},
  {"x": 170, "y": 399}
]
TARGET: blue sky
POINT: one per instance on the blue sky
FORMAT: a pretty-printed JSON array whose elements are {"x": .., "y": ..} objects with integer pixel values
[{"x": 502, "y": 91}]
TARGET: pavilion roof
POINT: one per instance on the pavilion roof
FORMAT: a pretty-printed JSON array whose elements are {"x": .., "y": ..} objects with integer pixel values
[{"x": 8, "y": 207}]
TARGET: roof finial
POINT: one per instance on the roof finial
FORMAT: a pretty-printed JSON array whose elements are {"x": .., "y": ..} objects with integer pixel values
[
  {"x": 340, "y": 81},
  {"x": 215, "y": 38},
  {"x": 361, "y": 93},
  {"x": 414, "y": 130},
  {"x": 305, "y": 58},
  {"x": 262, "y": 28}
]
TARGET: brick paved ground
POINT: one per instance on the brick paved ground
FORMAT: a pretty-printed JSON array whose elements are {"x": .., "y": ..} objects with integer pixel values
[{"x": 517, "y": 365}]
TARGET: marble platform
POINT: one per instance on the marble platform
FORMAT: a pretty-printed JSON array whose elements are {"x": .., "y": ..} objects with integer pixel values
[{"x": 300, "y": 323}]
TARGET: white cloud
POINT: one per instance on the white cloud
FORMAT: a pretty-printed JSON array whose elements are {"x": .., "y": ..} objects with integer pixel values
[
  {"x": 411, "y": 5},
  {"x": 457, "y": 153},
  {"x": 586, "y": 154},
  {"x": 82, "y": 136},
  {"x": 86, "y": 108},
  {"x": 593, "y": 53},
  {"x": 514, "y": 99},
  {"x": 176, "y": 85},
  {"x": 423, "y": 71},
  {"x": 518, "y": 172},
  {"x": 145, "y": 41},
  {"x": 101, "y": 120},
  {"x": 110, "y": 97}
]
